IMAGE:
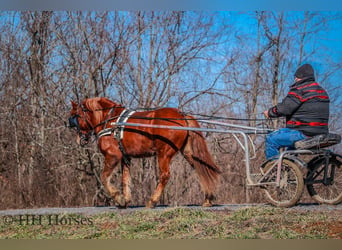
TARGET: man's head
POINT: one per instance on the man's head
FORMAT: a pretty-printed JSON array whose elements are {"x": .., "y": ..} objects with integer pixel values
[{"x": 305, "y": 71}]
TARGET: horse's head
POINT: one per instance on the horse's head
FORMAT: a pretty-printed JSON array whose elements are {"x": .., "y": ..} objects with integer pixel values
[
  {"x": 81, "y": 120},
  {"x": 88, "y": 116}
]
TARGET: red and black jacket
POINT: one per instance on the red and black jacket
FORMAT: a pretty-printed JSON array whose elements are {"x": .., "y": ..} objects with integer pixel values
[{"x": 306, "y": 108}]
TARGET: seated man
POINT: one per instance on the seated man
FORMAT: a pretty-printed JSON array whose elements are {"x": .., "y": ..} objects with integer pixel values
[{"x": 306, "y": 108}]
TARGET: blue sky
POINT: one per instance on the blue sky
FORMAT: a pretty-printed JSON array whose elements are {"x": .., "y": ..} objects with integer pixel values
[
  {"x": 171, "y": 5},
  {"x": 331, "y": 37},
  {"x": 328, "y": 40}
]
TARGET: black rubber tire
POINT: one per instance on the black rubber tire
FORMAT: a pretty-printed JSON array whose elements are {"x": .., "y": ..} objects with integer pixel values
[{"x": 326, "y": 194}]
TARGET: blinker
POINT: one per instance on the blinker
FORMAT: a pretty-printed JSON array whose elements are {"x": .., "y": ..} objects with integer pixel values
[{"x": 73, "y": 122}]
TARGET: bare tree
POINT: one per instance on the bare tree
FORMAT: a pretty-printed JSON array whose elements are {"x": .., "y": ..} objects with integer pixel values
[{"x": 203, "y": 60}]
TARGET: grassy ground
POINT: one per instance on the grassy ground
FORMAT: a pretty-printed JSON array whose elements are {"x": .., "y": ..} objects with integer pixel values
[{"x": 178, "y": 223}]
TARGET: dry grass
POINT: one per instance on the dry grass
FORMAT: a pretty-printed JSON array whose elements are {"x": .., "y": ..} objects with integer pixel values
[{"x": 186, "y": 223}]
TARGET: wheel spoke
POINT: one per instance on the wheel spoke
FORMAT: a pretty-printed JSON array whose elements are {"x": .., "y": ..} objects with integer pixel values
[
  {"x": 330, "y": 193},
  {"x": 291, "y": 184}
]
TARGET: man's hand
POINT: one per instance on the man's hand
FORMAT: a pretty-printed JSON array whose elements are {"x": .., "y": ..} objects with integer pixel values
[{"x": 266, "y": 114}]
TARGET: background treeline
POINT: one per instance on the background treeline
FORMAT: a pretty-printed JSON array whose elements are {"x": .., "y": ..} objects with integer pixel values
[{"x": 225, "y": 64}]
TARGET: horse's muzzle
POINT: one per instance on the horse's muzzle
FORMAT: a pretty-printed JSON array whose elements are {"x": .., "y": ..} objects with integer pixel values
[
  {"x": 83, "y": 139},
  {"x": 73, "y": 122}
]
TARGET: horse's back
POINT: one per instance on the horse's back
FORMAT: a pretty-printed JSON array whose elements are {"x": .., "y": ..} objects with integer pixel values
[
  {"x": 163, "y": 116},
  {"x": 144, "y": 140}
]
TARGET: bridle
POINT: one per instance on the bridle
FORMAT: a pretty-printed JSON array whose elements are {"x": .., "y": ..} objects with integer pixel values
[{"x": 74, "y": 123}]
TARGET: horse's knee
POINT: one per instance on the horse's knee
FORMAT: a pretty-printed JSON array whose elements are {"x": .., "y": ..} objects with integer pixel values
[
  {"x": 104, "y": 177},
  {"x": 164, "y": 177}
]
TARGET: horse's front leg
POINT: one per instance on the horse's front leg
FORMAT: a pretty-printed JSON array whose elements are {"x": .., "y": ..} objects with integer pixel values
[
  {"x": 110, "y": 163},
  {"x": 126, "y": 182}
]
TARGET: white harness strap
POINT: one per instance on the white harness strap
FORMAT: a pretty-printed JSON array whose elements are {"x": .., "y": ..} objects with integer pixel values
[
  {"x": 104, "y": 132},
  {"x": 119, "y": 132}
]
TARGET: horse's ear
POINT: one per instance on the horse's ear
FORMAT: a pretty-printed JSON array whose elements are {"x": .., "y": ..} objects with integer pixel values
[{"x": 74, "y": 105}]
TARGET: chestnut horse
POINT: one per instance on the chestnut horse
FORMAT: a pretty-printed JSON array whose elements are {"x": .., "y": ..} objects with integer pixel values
[{"x": 97, "y": 115}]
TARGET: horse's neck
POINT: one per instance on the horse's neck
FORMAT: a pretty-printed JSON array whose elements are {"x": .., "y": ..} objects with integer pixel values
[
  {"x": 118, "y": 111},
  {"x": 106, "y": 110},
  {"x": 113, "y": 108}
]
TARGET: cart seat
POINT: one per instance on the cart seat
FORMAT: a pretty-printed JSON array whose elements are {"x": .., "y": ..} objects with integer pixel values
[{"x": 318, "y": 141}]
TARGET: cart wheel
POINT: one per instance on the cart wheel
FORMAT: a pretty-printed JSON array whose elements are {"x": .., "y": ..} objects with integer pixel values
[
  {"x": 325, "y": 193},
  {"x": 291, "y": 184}
]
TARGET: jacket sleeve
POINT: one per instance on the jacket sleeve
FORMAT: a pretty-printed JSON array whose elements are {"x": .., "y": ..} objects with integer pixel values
[{"x": 287, "y": 107}]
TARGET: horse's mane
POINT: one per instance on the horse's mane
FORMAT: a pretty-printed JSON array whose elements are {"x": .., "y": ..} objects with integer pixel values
[{"x": 96, "y": 105}]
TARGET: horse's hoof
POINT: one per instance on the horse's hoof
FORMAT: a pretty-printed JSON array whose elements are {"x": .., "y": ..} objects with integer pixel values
[
  {"x": 207, "y": 204},
  {"x": 121, "y": 202},
  {"x": 150, "y": 204}
]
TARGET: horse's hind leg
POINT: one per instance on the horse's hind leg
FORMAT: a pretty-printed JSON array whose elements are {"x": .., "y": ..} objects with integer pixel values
[
  {"x": 164, "y": 176},
  {"x": 110, "y": 163},
  {"x": 126, "y": 181}
]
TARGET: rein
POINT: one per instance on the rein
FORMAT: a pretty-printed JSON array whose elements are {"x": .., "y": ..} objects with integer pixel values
[{"x": 123, "y": 117}]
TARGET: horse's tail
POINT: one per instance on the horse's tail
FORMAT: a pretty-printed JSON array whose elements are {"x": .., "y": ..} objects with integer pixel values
[{"x": 197, "y": 154}]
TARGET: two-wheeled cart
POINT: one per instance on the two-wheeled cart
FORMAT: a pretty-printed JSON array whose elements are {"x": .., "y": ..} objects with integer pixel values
[
  {"x": 282, "y": 178},
  {"x": 323, "y": 178}
]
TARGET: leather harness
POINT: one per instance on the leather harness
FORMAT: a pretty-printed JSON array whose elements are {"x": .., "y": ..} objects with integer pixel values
[{"x": 118, "y": 132}]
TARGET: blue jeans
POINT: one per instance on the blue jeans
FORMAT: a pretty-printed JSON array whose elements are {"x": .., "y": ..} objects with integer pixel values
[{"x": 283, "y": 137}]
